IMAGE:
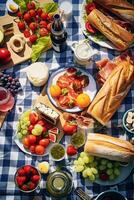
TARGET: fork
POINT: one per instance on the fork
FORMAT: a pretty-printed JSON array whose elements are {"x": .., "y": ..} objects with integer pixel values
[{"x": 80, "y": 193}]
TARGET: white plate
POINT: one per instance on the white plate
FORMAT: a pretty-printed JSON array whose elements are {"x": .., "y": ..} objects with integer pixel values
[
  {"x": 20, "y": 145},
  {"x": 125, "y": 172},
  {"x": 90, "y": 89},
  {"x": 104, "y": 43},
  {"x": 13, "y": 3}
]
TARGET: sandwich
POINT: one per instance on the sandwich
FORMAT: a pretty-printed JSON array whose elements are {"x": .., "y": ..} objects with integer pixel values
[
  {"x": 121, "y": 8},
  {"x": 119, "y": 36},
  {"x": 113, "y": 91},
  {"x": 109, "y": 147}
]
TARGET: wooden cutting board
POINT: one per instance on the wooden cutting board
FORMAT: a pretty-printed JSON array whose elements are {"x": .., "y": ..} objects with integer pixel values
[{"x": 17, "y": 58}]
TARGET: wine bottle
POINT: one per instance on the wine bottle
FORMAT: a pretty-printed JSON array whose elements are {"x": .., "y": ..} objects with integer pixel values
[{"x": 58, "y": 34}]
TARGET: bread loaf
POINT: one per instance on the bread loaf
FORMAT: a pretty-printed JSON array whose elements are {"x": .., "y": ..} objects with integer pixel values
[
  {"x": 119, "y": 36},
  {"x": 114, "y": 90},
  {"x": 112, "y": 148}
]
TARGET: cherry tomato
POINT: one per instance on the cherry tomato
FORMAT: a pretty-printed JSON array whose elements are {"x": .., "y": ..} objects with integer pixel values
[
  {"x": 27, "y": 17},
  {"x": 26, "y": 142},
  {"x": 32, "y": 148},
  {"x": 32, "y": 139},
  {"x": 49, "y": 26},
  {"x": 33, "y": 26},
  {"x": 90, "y": 28},
  {"x": 69, "y": 128},
  {"x": 44, "y": 16},
  {"x": 39, "y": 11},
  {"x": 33, "y": 38},
  {"x": 32, "y": 13},
  {"x": 44, "y": 142},
  {"x": 21, "y": 25},
  {"x": 43, "y": 32},
  {"x": 39, "y": 150},
  {"x": 43, "y": 24},
  {"x": 30, "y": 5},
  {"x": 26, "y": 33},
  {"x": 5, "y": 56}
]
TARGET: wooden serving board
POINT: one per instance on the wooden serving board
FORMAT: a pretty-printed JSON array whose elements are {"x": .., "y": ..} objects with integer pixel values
[{"x": 17, "y": 58}]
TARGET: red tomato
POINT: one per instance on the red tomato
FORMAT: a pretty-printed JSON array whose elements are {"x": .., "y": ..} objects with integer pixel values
[
  {"x": 19, "y": 14},
  {"x": 32, "y": 148},
  {"x": 33, "y": 117},
  {"x": 33, "y": 26},
  {"x": 43, "y": 24},
  {"x": 30, "y": 5},
  {"x": 43, "y": 32},
  {"x": 32, "y": 139},
  {"x": 69, "y": 128},
  {"x": 44, "y": 16},
  {"x": 49, "y": 26},
  {"x": 5, "y": 56},
  {"x": 39, "y": 150},
  {"x": 44, "y": 142},
  {"x": 90, "y": 28},
  {"x": 89, "y": 7},
  {"x": 26, "y": 142},
  {"x": 21, "y": 25},
  {"x": 27, "y": 17},
  {"x": 32, "y": 13},
  {"x": 39, "y": 11}
]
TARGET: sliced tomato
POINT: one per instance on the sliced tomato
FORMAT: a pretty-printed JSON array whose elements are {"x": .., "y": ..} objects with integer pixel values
[
  {"x": 63, "y": 100},
  {"x": 89, "y": 28},
  {"x": 63, "y": 82},
  {"x": 89, "y": 7}
]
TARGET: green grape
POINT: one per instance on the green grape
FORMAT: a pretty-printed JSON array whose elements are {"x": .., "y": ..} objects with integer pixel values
[
  {"x": 20, "y": 136},
  {"x": 84, "y": 174},
  {"x": 18, "y": 126},
  {"x": 91, "y": 159},
  {"x": 85, "y": 159},
  {"x": 83, "y": 154},
  {"x": 94, "y": 164},
  {"x": 38, "y": 128},
  {"x": 28, "y": 123},
  {"x": 89, "y": 172},
  {"x": 78, "y": 168},
  {"x": 116, "y": 164},
  {"x": 76, "y": 162},
  {"x": 102, "y": 167},
  {"x": 94, "y": 170},
  {"x": 92, "y": 177},
  {"x": 109, "y": 171},
  {"x": 26, "y": 113},
  {"x": 80, "y": 161},
  {"x": 25, "y": 119},
  {"x": 104, "y": 161},
  {"x": 24, "y": 127},
  {"x": 24, "y": 132},
  {"x": 116, "y": 171},
  {"x": 111, "y": 177},
  {"x": 109, "y": 165}
]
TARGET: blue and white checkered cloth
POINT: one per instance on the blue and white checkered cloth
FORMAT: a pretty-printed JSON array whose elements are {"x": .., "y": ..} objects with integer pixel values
[{"x": 11, "y": 157}]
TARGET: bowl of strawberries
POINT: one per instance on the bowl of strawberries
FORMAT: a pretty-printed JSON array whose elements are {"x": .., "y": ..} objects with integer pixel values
[{"x": 27, "y": 178}]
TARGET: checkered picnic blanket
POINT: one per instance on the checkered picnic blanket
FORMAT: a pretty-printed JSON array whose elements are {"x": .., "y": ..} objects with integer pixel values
[{"x": 11, "y": 157}]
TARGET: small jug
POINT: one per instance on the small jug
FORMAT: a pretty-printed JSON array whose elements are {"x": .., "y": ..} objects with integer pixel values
[{"x": 83, "y": 52}]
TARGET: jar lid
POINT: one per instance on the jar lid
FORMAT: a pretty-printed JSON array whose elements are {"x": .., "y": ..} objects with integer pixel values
[{"x": 83, "y": 51}]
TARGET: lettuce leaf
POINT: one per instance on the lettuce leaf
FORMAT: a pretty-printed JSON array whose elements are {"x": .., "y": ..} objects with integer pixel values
[
  {"x": 50, "y": 7},
  {"x": 42, "y": 44},
  {"x": 22, "y": 4}
]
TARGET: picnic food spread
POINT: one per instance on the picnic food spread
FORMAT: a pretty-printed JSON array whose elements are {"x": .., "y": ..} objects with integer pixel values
[{"x": 76, "y": 125}]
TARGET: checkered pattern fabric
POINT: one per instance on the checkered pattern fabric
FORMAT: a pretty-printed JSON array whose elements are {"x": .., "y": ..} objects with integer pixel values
[{"x": 11, "y": 157}]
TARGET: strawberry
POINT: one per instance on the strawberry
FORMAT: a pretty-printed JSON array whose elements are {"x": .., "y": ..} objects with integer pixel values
[
  {"x": 31, "y": 5},
  {"x": 27, "y": 169},
  {"x": 27, "y": 17},
  {"x": 71, "y": 150},
  {"x": 27, "y": 33},
  {"x": 34, "y": 171},
  {"x": 19, "y": 14},
  {"x": 21, "y": 172},
  {"x": 20, "y": 180},
  {"x": 31, "y": 185},
  {"x": 21, "y": 25},
  {"x": 24, "y": 187},
  {"x": 44, "y": 16},
  {"x": 43, "y": 32},
  {"x": 43, "y": 24},
  {"x": 39, "y": 11},
  {"x": 33, "y": 38},
  {"x": 35, "y": 178}
]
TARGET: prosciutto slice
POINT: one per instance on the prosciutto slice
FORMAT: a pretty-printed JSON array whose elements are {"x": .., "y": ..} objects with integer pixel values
[{"x": 8, "y": 105}]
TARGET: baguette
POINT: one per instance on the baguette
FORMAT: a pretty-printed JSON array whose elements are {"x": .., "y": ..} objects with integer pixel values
[
  {"x": 114, "y": 90},
  {"x": 121, "y": 8},
  {"x": 119, "y": 36},
  {"x": 112, "y": 148}
]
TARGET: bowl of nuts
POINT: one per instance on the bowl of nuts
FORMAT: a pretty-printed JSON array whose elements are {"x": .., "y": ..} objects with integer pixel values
[{"x": 128, "y": 120}]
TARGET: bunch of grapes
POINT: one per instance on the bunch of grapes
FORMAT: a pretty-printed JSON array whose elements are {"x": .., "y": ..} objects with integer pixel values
[
  {"x": 93, "y": 167},
  {"x": 23, "y": 124}
]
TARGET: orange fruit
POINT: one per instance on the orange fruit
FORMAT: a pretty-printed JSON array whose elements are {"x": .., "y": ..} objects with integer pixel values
[
  {"x": 55, "y": 91},
  {"x": 83, "y": 100}
]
